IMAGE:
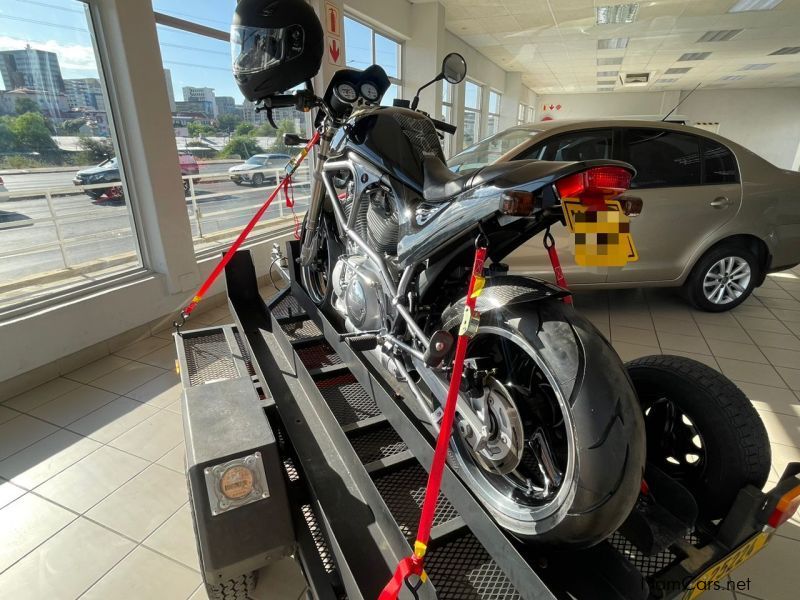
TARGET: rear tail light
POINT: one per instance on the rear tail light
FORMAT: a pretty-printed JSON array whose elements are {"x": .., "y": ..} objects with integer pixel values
[
  {"x": 595, "y": 184},
  {"x": 786, "y": 507},
  {"x": 517, "y": 203}
]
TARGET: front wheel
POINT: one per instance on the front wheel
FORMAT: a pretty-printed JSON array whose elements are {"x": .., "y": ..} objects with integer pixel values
[
  {"x": 258, "y": 180},
  {"x": 565, "y": 453},
  {"x": 317, "y": 276}
]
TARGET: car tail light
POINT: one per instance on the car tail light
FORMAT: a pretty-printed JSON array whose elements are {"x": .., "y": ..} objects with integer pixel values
[
  {"x": 595, "y": 184},
  {"x": 518, "y": 203},
  {"x": 786, "y": 507}
]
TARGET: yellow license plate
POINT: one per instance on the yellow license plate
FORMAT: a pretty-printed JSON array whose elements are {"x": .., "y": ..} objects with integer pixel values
[
  {"x": 717, "y": 571},
  {"x": 602, "y": 237}
]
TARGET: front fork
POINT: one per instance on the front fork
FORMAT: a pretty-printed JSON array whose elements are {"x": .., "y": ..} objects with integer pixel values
[{"x": 307, "y": 250}]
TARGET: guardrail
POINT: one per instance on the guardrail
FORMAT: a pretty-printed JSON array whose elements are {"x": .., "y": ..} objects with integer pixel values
[{"x": 199, "y": 217}]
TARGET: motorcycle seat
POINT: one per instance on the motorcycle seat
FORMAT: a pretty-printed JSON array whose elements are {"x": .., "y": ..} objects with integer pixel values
[{"x": 440, "y": 184}]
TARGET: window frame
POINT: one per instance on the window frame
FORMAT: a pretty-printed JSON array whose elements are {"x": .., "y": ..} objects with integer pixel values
[
  {"x": 398, "y": 81},
  {"x": 478, "y": 111},
  {"x": 447, "y": 103},
  {"x": 490, "y": 114}
]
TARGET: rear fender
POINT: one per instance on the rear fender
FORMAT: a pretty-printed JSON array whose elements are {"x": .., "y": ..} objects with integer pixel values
[{"x": 502, "y": 291}]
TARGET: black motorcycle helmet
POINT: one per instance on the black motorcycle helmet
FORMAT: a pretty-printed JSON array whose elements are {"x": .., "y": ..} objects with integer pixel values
[{"x": 275, "y": 45}]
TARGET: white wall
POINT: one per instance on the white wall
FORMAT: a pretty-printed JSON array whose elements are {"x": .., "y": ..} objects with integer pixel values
[{"x": 766, "y": 121}]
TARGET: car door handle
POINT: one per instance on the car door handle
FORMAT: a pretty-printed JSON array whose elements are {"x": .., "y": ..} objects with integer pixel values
[{"x": 720, "y": 202}]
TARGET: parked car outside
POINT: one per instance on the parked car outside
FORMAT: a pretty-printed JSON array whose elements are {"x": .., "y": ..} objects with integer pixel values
[
  {"x": 715, "y": 219},
  {"x": 258, "y": 169},
  {"x": 108, "y": 172}
]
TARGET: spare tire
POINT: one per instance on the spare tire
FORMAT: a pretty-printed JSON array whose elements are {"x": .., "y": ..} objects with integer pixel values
[{"x": 701, "y": 430}]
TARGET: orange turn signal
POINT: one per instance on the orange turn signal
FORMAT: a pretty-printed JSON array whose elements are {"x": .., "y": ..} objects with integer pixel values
[
  {"x": 518, "y": 203},
  {"x": 786, "y": 507}
]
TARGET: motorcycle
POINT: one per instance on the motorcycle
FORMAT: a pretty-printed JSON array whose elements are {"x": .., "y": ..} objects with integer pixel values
[{"x": 549, "y": 434}]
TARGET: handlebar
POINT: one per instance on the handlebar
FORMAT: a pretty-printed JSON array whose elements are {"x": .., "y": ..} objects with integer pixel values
[
  {"x": 442, "y": 126},
  {"x": 280, "y": 101}
]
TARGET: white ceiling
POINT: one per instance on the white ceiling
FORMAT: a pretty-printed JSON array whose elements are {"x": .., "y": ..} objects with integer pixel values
[{"x": 554, "y": 43}]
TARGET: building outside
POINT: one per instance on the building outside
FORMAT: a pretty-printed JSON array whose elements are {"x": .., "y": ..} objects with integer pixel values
[
  {"x": 32, "y": 69},
  {"x": 170, "y": 92},
  {"x": 193, "y": 106},
  {"x": 52, "y": 105},
  {"x": 204, "y": 96},
  {"x": 226, "y": 105},
  {"x": 84, "y": 93}
]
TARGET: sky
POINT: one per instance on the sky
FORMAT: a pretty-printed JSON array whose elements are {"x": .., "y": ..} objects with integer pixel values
[{"x": 61, "y": 26}]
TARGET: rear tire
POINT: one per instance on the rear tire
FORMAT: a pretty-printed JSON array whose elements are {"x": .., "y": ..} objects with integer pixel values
[
  {"x": 723, "y": 278},
  {"x": 240, "y": 588},
  {"x": 602, "y": 475},
  {"x": 701, "y": 430},
  {"x": 258, "y": 180}
]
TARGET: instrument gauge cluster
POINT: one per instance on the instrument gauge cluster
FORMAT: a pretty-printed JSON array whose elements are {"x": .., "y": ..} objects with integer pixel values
[
  {"x": 369, "y": 92},
  {"x": 346, "y": 91}
]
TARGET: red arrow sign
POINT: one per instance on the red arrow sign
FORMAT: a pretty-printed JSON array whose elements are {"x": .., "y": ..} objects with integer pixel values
[{"x": 334, "y": 50}]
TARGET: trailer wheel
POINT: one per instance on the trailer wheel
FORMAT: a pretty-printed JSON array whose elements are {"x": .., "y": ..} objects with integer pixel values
[
  {"x": 701, "y": 430},
  {"x": 240, "y": 588}
]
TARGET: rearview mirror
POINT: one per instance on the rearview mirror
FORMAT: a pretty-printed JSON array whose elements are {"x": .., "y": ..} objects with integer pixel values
[{"x": 454, "y": 68}]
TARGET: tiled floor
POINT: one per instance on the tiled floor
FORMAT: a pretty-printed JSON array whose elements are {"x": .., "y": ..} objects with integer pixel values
[{"x": 92, "y": 495}]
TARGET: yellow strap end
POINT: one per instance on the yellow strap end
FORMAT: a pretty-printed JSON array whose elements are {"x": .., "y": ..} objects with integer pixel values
[
  {"x": 196, "y": 299},
  {"x": 420, "y": 548},
  {"x": 424, "y": 577},
  {"x": 477, "y": 289}
]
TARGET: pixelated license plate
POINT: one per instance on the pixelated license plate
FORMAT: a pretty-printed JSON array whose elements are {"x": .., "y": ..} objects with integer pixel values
[{"x": 602, "y": 236}]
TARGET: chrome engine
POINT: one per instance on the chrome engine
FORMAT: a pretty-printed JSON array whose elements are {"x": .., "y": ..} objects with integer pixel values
[{"x": 358, "y": 294}]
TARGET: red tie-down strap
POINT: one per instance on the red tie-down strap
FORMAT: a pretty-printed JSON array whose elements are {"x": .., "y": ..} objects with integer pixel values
[
  {"x": 288, "y": 194},
  {"x": 413, "y": 565},
  {"x": 550, "y": 246},
  {"x": 226, "y": 258}
]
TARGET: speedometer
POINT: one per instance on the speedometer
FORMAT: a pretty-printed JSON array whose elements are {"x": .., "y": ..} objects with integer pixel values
[
  {"x": 346, "y": 92},
  {"x": 370, "y": 92}
]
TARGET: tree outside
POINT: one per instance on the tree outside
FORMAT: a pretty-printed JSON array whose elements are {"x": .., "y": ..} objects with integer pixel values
[
  {"x": 199, "y": 129},
  {"x": 243, "y": 146},
  {"x": 228, "y": 123},
  {"x": 244, "y": 129},
  {"x": 97, "y": 149},
  {"x": 31, "y": 133},
  {"x": 26, "y": 105},
  {"x": 283, "y": 127}
]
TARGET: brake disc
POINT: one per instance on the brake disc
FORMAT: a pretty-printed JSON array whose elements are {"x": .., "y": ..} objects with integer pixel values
[{"x": 506, "y": 441}]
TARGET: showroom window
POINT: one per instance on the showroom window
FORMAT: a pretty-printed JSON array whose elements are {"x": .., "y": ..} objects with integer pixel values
[
  {"x": 65, "y": 212},
  {"x": 365, "y": 47},
  {"x": 493, "y": 118},
  {"x": 472, "y": 113},
  {"x": 531, "y": 115},
  {"x": 521, "y": 114},
  {"x": 229, "y": 155},
  {"x": 662, "y": 158},
  {"x": 447, "y": 116}
]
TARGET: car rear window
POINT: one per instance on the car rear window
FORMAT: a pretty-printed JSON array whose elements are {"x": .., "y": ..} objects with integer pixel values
[
  {"x": 662, "y": 158},
  {"x": 719, "y": 164}
]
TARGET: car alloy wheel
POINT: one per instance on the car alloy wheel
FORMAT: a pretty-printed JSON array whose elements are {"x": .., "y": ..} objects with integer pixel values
[
  {"x": 258, "y": 179},
  {"x": 726, "y": 280}
]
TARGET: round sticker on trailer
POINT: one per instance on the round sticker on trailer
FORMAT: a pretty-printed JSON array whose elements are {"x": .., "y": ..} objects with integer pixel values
[{"x": 236, "y": 482}]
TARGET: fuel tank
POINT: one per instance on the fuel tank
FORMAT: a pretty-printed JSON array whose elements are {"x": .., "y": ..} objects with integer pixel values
[{"x": 392, "y": 138}]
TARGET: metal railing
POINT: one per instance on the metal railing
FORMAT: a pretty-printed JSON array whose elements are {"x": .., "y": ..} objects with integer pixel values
[{"x": 211, "y": 221}]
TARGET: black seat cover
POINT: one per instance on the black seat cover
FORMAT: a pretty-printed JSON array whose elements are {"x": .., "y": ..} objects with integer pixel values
[{"x": 441, "y": 184}]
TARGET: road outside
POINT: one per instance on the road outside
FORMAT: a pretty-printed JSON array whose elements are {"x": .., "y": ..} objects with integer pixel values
[{"x": 99, "y": 233}]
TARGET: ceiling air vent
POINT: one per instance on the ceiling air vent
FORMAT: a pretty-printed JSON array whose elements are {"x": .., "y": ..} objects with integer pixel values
[
  {"x": 719, "y": 36},
  {"x": 695, "y": 56},
  {"x": 787, "y": 50},
  {"x": 634, "y": 79}
]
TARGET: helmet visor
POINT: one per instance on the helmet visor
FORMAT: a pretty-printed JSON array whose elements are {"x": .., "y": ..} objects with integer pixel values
[{"x": 254, "y": 49}]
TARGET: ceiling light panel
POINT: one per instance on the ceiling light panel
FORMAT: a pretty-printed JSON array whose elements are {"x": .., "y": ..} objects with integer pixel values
[
  {"x": 694, "y": 56},
  {"x": 719, "y": 36},
  {"x": 756, "y": 67},
  {"x": 607, "y": 73},
  {"x": 732, "y": 78},
  {"x": 617, "y": 13},
  {"x": 745, "y": 5},
  {"x": 677, "y": 70},
  {"x": 667, "y": 80},
  {"x": 607, "y": 82},
  {"x": 612, "y": 43},
  {"x": 617, "y": 60},
  {"x": 787, "y": 50}
]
